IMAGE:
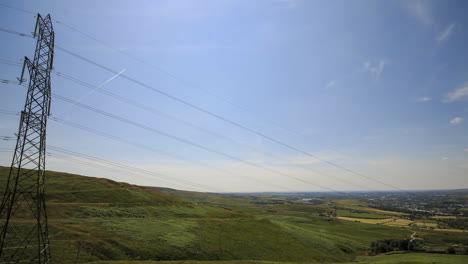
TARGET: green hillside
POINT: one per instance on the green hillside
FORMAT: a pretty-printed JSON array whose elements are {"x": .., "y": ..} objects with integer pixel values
[
  {"x": 411, "y": 258},
  {"x": 95, "y": 219}
]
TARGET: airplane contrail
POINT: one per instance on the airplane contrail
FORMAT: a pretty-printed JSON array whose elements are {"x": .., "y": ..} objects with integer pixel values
[
  {"x": 101, "y": 85},
  {"x": 111, "y": 78}
]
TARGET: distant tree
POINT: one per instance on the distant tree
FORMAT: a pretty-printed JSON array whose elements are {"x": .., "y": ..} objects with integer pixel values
[
  {"x": 388, "y": 245},
  {"x": 451, "y": 250}
]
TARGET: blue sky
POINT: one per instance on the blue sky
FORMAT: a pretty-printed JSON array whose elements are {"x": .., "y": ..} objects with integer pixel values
[{"x": 379, "y": 87}]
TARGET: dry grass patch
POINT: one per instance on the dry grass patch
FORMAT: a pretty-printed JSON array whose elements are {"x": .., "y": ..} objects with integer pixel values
[
  {"x": 450, "y": 230},
  {"x": 400, "y": 223},
  {"x": 365, "y": 220}
]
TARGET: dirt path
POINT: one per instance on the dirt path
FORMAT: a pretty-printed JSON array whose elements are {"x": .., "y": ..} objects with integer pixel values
[{"x": 413, "y": 237}]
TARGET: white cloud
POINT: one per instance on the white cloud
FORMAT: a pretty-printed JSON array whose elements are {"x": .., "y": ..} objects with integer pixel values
[
  {"x": 424, "y": 99},
  {"x": 376, "y": 70},
  {"x": 456, "y": 120},
  {"x": 466, "y": 150},
  {"x": 444, "y": 158},
  {"x": 446, "y": 33},
  {"x": 456, "y": 95},
  {"x": 330, "y": 84},
  {"x": 421, "y": 10}
]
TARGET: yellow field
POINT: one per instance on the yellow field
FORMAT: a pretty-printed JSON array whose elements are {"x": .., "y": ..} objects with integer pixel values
[
  {"x": 426, "y": 224},
  {"x": 396, "y": 223},
  {"x": 444, "y": 217},
  {"x": 449, "y": 230},
  {"x": 366, "y": 221},
  {"x": 400, "y": 223},
  {"x": 372, "y": 210}
]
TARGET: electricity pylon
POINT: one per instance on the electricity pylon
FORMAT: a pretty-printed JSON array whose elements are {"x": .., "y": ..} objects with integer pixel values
[{"x": 24, "y": 233}]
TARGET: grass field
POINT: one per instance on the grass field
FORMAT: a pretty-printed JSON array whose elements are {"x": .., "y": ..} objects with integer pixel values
[
  {"x": 415, "y": 258},
  {"x": 95, "y": 219},
  {"x": 348, "y": 213},
  {"x": 410, "y": 258},
  {"x": 396, "y": 222}
]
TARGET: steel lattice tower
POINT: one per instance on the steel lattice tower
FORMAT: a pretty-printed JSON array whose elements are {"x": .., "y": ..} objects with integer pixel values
[{"x": 24, "y": 233}]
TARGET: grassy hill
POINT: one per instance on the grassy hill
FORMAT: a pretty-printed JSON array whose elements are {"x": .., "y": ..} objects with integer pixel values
[
  {"x": 94, "y": 219},
  {"x": 411, "y": 258}
]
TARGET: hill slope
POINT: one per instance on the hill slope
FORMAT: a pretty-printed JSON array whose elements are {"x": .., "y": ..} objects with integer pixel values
[{"x": 92, "y": 219}]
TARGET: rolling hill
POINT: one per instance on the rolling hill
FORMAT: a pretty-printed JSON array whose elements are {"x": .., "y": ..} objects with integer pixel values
[{"x": 95, "y": 219}]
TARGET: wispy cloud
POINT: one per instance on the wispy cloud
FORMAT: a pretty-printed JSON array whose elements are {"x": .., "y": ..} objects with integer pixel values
[
  {"x": 444, "y": 158},
  {"x": 330, "y": 84},
  {"x": 456, "y": 120},
  {"x": 446, "y": 33},
  {"x": 421, "y": 10},
  {"x": 375, "y": 69},
  {"x": 457, "y": 94},
  {"x": 466, "y": 150},
  {"x": 424, "y": 99}
]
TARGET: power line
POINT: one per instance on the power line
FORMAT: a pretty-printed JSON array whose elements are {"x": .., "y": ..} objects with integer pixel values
[
  {"x": 59, "y": 120},
  {"x": 8, "y": 62},
  {"x": 8, "y": 112},
  {"x": 183, "y": 81},
  {"x": 189, "y": 124},
  {"x": 166, "y": 153},
  {"x": 175, "y": 77},
  {"x": 16, "y": 33},
  {"x": 153, "y": 149},
  {"x": 9, "y": 81},
  {"x": 142, "y": 146},
  {"x": 107, "y": 168},
  {"x": 97, "y": 132},
  {"x": 185, "y": 141},
  {"x": 120, "y": 165},
  {"x": 178, "y": 139},
  {"x": 56, "y": 119},
  {"x": 18, "y": 9},
  {"x": 217, "y": 116},
  {"x": 6, "y": 149}
]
